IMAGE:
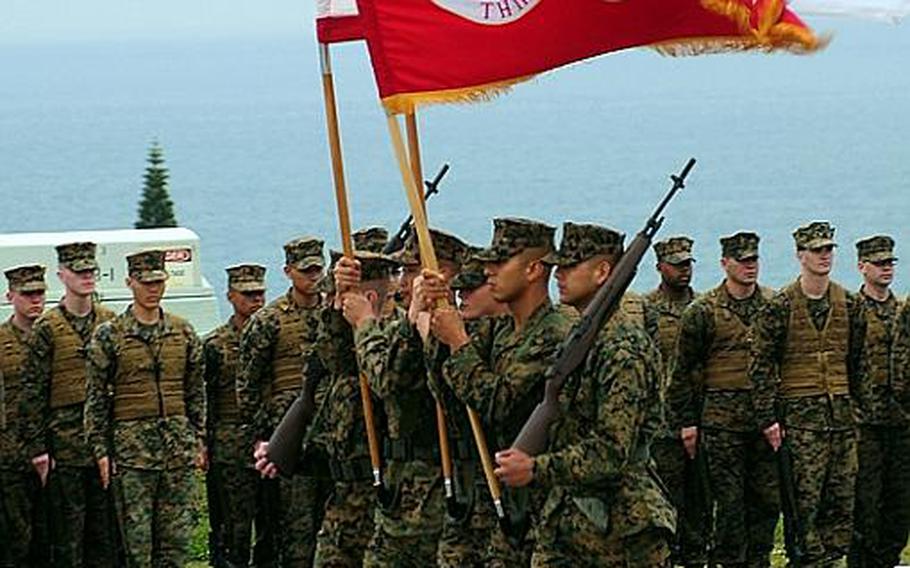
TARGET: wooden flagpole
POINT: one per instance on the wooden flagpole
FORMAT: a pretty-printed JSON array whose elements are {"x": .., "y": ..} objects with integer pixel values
[
  {"x": 428, "y": 259},
  {"x": 347, "y": 243},
  {"x": 410, "y": 121},
  {"x": 445, "y": 453}
]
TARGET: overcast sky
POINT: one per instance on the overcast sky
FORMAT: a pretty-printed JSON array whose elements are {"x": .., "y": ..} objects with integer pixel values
[{"x": 45, "y": 21}]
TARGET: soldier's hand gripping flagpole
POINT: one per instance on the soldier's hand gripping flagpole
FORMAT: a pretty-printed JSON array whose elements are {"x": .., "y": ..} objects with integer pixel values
[{"x": 428, "y": 259}]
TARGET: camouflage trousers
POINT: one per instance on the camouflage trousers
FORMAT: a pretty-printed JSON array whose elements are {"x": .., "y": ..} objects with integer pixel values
[
  {"x": 567, "y": 537},
  {"x": 408, "y": 523},
  {"x": 155, "y": 514},
  {"x": 81, "y": 520},
  {"x": 347, "y": 527},
  {"x": 679, "y": 477},
  {"x": 824, "y": 471},
  {"x": 236, "y": 493},
  {"x": 468, "y": 524},
  {"x": 23, "y": 529},
  {"x": 301, "y": 507},
  {"x": 881, "y": 517},
  {"x": 743, "y": 479},
  {"x": 473, "y": 536}
]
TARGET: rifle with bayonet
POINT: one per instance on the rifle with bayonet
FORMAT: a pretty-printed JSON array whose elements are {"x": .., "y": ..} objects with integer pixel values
[
  {"x": 532, "y": 439},
  {"x": 396, "y": 243}
]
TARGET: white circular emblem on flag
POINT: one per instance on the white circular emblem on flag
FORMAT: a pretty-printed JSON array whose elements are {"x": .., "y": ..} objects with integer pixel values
[{"x": 490, "y": 12}]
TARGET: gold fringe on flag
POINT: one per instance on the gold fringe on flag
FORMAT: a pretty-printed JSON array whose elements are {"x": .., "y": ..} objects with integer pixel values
[
  {"x": 407, "y": 102},
  {"x": 770, "y": 35}
]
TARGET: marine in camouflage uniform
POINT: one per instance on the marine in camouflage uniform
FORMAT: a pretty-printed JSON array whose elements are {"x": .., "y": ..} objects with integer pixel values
[
  {"x": 805, "y": 369},
  {"x": 666, "y": 304},
  {"x": 881, "y": 516},
  {"x": 22, "y": 525},
  {"x": 468, "y": 523},
  {"x": 605, "y": 505},
  {"x": 409, "y": 518},
  {"x": 269, "y": 380},
  {"x": 233, "y": 486},
  {"x": 145, "y": 417},
  {"x": 339, "y": 424},
  {"x": 80, "y": 512},
  {"x": 499, "y": 369},
  {"x": 710, "y": 402}
]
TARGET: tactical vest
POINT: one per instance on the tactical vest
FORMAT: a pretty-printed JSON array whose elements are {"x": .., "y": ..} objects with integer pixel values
[
  {"x": 226, "y": 407},
  {"x": 13, "y": 354},
  {"x": 286, "y": 363},
  {"x": 149, "y": 379},
  {"x": 815, "y": 362},
  {"x": 68, "y": 366},
  {"x": 633, "y": 306},
  {"x": 877, "y": 347},
  {"x": 729, "y": 356}
]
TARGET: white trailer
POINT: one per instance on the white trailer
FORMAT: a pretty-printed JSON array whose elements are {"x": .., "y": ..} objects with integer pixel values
[{"x": 188, "y": 293}]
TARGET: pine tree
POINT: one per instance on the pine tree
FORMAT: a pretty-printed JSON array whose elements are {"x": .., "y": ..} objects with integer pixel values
[{"x": 156, "y": 208}]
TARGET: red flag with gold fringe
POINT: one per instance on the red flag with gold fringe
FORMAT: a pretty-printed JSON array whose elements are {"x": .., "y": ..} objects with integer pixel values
[{"x": 436, "y": 51}]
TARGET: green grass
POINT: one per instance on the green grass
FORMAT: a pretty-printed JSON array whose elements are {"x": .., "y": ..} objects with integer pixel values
[{"x": 199, "y": 546}]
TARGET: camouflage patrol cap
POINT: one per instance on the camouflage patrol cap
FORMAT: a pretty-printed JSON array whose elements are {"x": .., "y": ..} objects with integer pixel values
[
  {"x": 674, "y": 250},
  {"x": 583, "y": 241},
  {"x": 875, "y": 249},
  {"x": 303, "y": 253},
  {"x": 815, "y": 235},
  {"x": 448, "y": 247},
  {"x": 26, "y": 278},
  {"x": 147, "y": 266},
  {"x": 740, "y": 246},
  {"x": 372, "y": 239},
  {"x": 77, "y": 256},
  {"x": 471, "y": 275},
  {"x": 246, "y": 277},
  {"x": 512, "y": 235}
]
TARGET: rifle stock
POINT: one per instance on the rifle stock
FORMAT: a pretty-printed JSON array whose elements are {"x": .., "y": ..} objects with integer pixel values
[
  {"x": 286, "y": 441},
  {"x": 532, "y": 439}
]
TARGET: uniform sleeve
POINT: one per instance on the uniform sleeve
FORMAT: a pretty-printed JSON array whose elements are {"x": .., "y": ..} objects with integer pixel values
[
  {"x": 391, "y": 356},
  {"x": 685, "y": 393},
  {"x": 100, "y": 369},
  {"x": 856, "y": 361},
  {"x": 193, "y": 385},
  {"x": 256, "y": 347},
  {"x": 36, "y": 377},
  {"x": 901, "y": 359},
  {"x": 623, "y": 373},
  {"x": 767, "y": 354},
  {"x": 472, "y": 378},
  {"x": 211, "y": 371}
]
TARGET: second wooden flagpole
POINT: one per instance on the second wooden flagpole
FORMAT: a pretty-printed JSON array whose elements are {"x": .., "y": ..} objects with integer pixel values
[
  {"x": 442, "y": 429},
  {"x": 428, "y": 259}
]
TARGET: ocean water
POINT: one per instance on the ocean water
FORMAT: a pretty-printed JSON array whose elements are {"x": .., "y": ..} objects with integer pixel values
[{"x": 780, "y": 139}]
